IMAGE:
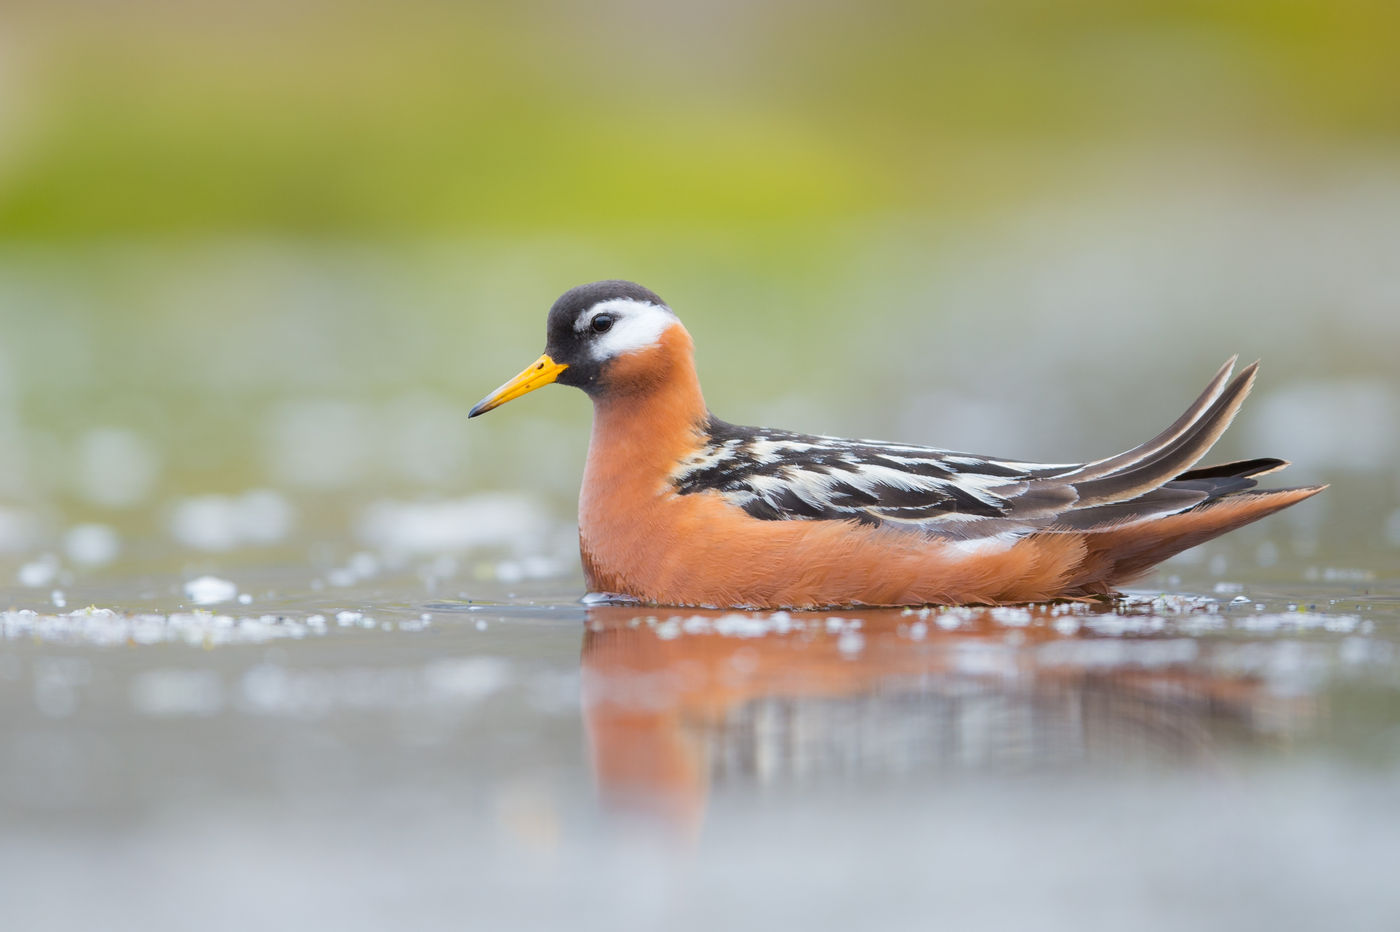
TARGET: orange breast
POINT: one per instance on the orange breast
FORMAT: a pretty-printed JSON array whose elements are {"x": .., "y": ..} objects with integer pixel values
[{"x": 637, "y": 536}]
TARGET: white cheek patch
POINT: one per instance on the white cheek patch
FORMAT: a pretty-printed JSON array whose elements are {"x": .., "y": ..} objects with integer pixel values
[{"x": 636, "y": 326}]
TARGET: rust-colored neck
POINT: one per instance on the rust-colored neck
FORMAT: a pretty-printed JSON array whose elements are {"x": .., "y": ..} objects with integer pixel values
[{"x": 646, "y": 419}]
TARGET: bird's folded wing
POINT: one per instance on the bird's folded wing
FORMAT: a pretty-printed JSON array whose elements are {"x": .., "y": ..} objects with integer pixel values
[{"x": 777, "y": 475}]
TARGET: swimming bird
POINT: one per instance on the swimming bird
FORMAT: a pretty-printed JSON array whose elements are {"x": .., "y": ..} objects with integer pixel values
[{"x": 679, "y": 507}]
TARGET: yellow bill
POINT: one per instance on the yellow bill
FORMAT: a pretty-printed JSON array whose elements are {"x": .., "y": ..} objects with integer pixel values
[{"x": 539, "y": 373}]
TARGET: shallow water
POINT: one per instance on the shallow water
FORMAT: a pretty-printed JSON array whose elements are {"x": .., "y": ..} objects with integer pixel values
[
  {"x": 421, "y": 740},
  {"x": 287, "y": 643}
]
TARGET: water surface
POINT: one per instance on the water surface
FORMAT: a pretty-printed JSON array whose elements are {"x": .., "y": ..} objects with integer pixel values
[{"x": 285, "y": 642}]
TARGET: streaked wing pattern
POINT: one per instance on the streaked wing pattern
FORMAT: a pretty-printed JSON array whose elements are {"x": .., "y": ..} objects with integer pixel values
[{"x": 777, "y": 475}]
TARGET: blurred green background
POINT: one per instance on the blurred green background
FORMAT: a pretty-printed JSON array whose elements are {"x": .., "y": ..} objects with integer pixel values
[
  {"x": 258, "y": 259},
  {"x": 614, "y": 121},
  {"x": 283, "y": 246}
]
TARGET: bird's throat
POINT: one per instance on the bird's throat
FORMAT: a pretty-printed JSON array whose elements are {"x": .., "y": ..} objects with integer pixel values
[{"x": 640, "y": 433}]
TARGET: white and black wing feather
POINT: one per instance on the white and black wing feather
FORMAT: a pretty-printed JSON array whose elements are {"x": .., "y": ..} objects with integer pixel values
[{"x": 778, "y": 475}]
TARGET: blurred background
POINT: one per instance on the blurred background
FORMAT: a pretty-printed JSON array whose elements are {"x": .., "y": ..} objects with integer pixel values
[
  {"x": 257, "y": 260},
  {"x": 283, "y": 246}
]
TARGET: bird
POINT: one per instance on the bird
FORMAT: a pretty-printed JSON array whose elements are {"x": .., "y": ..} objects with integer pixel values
[{"x": 680, "y": 508}]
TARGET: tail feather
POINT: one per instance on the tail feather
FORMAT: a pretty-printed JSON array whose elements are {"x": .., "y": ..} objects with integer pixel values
[
  {"x": 1171, "y": 459},
  {"x": 1189, "y": 490},
  {"x": 1132, "y": 511},
  {"x": 1163, "y": 440},
  {"x": 1166, "y": 500},
  {"x": 1117, "y": 555},
  {"x": 1255, "y": 467}
]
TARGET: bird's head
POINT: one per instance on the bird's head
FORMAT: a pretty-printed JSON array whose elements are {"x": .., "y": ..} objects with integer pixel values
[{"x": 607, "y": 338}]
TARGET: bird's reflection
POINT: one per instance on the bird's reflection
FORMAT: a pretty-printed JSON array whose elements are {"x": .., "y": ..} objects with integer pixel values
[{"x": 675, "y": 703}]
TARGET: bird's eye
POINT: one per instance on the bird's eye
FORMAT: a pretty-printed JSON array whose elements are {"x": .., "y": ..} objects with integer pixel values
[{"x": 602, "y": 323}]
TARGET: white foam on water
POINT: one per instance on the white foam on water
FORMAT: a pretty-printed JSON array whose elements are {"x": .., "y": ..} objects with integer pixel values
[
  {"x": 226, "y": 522},
  {"x": 38, "y": 572},
  {"x": 1010, "y": 615},
  {"x": 743, "y": 625},
  {"x": 92, "y": 544},
  {"x": 210, "y": 590},
  {"x": 850, "y": 643},
  {"x": 103, "y": 627}
]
